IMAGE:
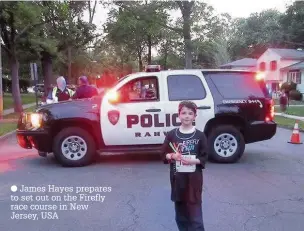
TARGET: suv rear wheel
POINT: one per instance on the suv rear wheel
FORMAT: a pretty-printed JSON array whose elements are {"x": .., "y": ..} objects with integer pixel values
[
  {"x": 74, "y": 147},
  {"x": 226, "y": 144}
]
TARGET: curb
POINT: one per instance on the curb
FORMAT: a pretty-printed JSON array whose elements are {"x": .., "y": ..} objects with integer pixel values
[
  {"x": 289, "y": 128},
  {"x": 293, "y": 117},
  {"x": 7, "y": 135},
  {"x": 291, "y": 105},
  {"x": 4, "y": 121}
]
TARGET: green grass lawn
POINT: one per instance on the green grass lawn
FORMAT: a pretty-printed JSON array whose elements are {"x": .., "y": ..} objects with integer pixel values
[
  {"x": 7, "y": 127},
  {"x": 297, "y": 111},
  {"x": 25, "y": 98},
  {"x": 288, "y": 123},
  {"x": 292, "y": 102},
  {"x": 11, "y": 126},
  {"x": 16, "y": 115}
]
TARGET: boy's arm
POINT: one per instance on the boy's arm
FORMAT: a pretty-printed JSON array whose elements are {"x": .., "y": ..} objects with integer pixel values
[
  {"x": 165, "y": 149},
  {"x": 202, "y": 154}
]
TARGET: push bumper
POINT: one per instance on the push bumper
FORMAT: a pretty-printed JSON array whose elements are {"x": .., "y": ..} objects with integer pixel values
[
  {"x": 260, "y": 130},
  {"x": 39, "y": 140}
]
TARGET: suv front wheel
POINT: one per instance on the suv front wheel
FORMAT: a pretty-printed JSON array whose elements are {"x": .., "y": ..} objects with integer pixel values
[
  {"x": 226, "y": 144},
  {"x": 74, "y": 147}
]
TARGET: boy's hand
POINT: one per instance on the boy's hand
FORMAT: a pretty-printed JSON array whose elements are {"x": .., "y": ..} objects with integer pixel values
[
  {"x": 171, "y": 156},
  {"x": 189, "y": 161},
  {"x": 176, "y": 156}
]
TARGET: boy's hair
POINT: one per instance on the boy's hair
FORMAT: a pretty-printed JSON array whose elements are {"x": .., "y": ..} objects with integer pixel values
[{"x": 188, "y": 104}]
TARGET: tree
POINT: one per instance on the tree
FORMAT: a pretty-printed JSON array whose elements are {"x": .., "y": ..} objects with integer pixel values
[
  {"x": 62, "y": 37},
  {"x": 251, "y": 36},
  {"x": 127, "y": 33},
  {"x": 135, "y": 26},
  {"x": 171, "y": 53},
  {"x": 17, "y": 20},
  {"x": 292, "y": 25}
]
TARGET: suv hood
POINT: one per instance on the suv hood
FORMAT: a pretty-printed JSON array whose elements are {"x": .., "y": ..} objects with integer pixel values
[{"x": 72, "y": 106}]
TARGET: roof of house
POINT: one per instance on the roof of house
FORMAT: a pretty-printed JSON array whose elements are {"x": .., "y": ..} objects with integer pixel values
[
  {"x": 296, "y": 66},
  {"x": 289, "y": 53},
  {"x": 241, "y": 62}
]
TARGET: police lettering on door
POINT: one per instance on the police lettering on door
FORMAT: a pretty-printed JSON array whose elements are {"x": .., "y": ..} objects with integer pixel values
[
  {"x": 152, "y": 120},
  {"x": 148, "y": 120}
]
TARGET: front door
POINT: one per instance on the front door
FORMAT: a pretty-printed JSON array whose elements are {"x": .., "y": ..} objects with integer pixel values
[
  {"x": 139, "y": 116},
  {"x": 191, "y": 86}
]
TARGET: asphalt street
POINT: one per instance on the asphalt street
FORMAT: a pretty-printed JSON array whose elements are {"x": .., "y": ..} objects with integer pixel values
[{"x": 264, "y": 191}]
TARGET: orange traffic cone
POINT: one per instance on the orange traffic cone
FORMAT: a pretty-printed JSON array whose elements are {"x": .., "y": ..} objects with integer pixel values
[{"x": 295, "y": 137}]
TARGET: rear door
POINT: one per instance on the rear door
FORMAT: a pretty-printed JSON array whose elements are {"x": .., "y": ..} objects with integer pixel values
[
  {"x": 188, "y": 85},
  {"x": 245, "y": 90}
]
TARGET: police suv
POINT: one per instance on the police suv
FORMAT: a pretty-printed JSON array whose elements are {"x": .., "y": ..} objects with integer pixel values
[{"x": 234, "y": 109}]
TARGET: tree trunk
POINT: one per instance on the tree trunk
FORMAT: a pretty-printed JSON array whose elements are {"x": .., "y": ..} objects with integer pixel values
[
  {"x": 149, "y": 49},
  {"x": 69, "y": 63},
  {"x": 47, "y": 70},
  {"x": 186, "y": 9},
  {"x": 165, "y": 59},
  {"x": 92, "y": 11},
  {"x": 187, "y": 40},
  {"x": 140, "y": 64},
  {"x": 15, "y": 83},
  {"x": 121, "y": 71}
]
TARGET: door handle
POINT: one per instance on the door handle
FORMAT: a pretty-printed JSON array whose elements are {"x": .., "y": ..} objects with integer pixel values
[
  {"x": 204, "y": 107},
  {"x": 153, "y": 110}
]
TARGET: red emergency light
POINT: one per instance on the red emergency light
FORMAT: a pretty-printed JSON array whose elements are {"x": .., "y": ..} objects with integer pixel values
[{"x": 153, "y": 68}]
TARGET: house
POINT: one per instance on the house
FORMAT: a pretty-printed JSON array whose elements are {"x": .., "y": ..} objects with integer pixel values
[
  {"x": 282, "y": 65},
  {"x": 241, "y": 64}
]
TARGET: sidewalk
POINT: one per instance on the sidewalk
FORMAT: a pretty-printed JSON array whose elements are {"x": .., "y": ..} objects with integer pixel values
[
  {"x": 11, "y": 110},
  {"x": 290, "y": 116},
  {"x": 291, "y": 105}
]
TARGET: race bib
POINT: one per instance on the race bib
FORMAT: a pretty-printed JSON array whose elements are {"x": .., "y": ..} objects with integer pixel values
[{"x": 180, "y": 167}]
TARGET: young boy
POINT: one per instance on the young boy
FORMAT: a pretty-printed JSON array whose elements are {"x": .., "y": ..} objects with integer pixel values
[{"x": 186, "y": 186}]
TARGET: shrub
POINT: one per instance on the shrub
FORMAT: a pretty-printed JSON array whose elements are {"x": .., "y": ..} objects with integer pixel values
[
  {"x": 295, "y": 95},
  {"x": 23, "y": 84},
  {"x": 288, "y": 86}
]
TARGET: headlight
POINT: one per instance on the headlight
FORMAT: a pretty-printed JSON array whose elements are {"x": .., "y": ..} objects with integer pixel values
[
  {"x": 33, "y": 120},
  {"x": 36, "y": 120}
]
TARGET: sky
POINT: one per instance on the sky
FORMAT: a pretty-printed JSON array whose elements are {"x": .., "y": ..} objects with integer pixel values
[
  {"x": 243, "y": 8},
  {"x": 236, "y": 8}
]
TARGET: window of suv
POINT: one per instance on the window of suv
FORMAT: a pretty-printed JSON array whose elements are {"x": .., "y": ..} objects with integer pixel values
[
  {"x": 185, "y": 87},
  {"x": 238, "y": 85},
  {"x": 140, "y": 90}
]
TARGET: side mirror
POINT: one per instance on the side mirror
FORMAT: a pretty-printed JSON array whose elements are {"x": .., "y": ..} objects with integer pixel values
[{"x": 113, "y": 97}]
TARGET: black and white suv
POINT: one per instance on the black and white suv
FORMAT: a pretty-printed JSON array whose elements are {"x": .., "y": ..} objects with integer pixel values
[{"x": 234, "y": 109}]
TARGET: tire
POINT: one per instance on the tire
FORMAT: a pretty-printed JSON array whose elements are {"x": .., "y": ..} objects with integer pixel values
[
  {"x": 233, "y": 152},
  {"x": 80, "y": 150}
]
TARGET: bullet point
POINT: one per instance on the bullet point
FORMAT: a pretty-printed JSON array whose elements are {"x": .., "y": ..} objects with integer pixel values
[{"x": 14, "y": 188}]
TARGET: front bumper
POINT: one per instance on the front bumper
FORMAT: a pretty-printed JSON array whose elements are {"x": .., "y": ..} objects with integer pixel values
[
  {"x": 260, "y": 130},
  {"x": 39, "y": 140}
]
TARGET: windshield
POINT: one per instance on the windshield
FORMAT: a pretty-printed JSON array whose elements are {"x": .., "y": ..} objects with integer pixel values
[{"x": 118, "y": 81}]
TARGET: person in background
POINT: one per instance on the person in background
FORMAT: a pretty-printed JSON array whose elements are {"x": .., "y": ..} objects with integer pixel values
[
  {"x": 283, "y": 101},
  {"x": 60, "y": 93},
  {"x": 85, "y": 90}
]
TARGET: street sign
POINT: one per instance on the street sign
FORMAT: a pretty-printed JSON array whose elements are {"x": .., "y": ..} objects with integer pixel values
[{"x": 34, "y": 74}]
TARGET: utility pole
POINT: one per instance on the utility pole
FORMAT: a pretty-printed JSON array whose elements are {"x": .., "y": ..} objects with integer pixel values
[{"x": 1, "y": 92}]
